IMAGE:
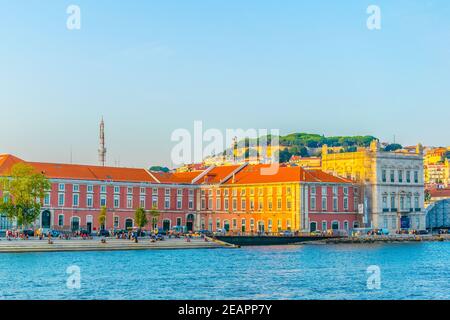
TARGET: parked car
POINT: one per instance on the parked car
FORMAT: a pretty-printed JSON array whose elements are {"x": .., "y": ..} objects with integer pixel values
[{"x": 316, "y": 233}]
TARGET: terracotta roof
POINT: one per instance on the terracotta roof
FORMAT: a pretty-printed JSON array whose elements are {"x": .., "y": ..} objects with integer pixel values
[
  {"x": 217, "y": 174},
  {"x": 79, "y": 172},
  {"x": 7, "y": 161},
  {"x": 440, "y": 193},
  {"x": 176, "y": 177},
  {"x": 252, "y": 174}
]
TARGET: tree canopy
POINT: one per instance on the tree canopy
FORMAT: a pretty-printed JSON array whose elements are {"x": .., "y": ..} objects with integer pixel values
[{"x": 23, "y": 192}]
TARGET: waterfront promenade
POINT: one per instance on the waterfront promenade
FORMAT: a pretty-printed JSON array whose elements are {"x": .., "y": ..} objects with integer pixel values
[{"x": 22, "y": 246}]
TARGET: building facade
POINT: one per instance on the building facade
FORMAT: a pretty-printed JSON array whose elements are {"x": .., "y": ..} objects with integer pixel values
[
  {"x": 392, "y": 184},
  {"x": 238, "y": 198}
]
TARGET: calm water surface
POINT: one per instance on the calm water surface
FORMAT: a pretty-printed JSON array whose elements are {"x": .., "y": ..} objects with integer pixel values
[{"x": 408, "y": 271}]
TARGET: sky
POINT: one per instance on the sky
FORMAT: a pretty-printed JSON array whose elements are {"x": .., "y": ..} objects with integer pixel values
[{"x": 151, "y": 67}]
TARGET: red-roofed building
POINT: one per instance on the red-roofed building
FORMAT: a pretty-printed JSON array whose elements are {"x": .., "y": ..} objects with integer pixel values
[
  {"x": 239, "y": 198},
  {"x": 249, "y": 199},
  {"x": 79, "y": 192}
]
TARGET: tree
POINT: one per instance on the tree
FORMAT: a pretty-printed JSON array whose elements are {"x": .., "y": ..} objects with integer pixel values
[
  {"x": 159, "y": 169},
  {"x": 23, "y": 192},
  {"x": 140, "y": 218},
  {"x": 154, "y": 214},
  {"x": 102, "y": 218},
  {"x": 393, "y": 147}
]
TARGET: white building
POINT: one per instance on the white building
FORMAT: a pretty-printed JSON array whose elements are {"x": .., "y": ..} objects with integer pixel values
[{"x": 393, "y": 184}]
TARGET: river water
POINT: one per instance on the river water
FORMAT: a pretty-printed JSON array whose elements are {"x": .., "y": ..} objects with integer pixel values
[{"x": 407, "y": 271}]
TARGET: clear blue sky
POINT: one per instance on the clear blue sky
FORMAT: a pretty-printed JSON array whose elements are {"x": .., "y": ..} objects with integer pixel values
[{"x": 150, "y": 67}]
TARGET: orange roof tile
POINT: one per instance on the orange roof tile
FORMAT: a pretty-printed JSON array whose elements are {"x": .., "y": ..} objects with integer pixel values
[
  {"x": 252, "y": 175},
  {"x": 176, "y": 177}
]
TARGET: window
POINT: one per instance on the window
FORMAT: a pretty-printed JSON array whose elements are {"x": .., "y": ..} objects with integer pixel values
[
  {"x": 178, "y": 222},
  {"x": 288, "y": 190},
  {"x": 269, "y": 204},
  {"x": 203, "y": 204},
  {"x": 335, "y": 190},
  {"x": 394, "y": 223},
  {"x": 335, "y": 204},
  {"x": 218, "y": 224},
  {"x": 61, "y": 220},
  {"x": 130, "y": 190},
  {"x": 345, "y": 191},
  {"x": 416, "y": 203},
  {"x": 400, "y": 176},
  {"x": 47, "y": 199},
  {"x": 61, "y": 199},
  {"x": 234, "y": 222},
  {"x": 252, "y": 191},
  {"x": 324, "y": 226},
  {"x": 116, "y": 201},
  {"x": 345, "y": 203},
  {"x": 155, "y": 191},
  {"x": 252, "y": 224},
  {"x": 90, "y": 188},
  {"x": 313, "y": 203},
  {"x": 243, "y": 192},
  {"x": 76, "y": 200},
  {"x": 269, "y": 222},
  {"x": 166, "y": 203},
  {"x": 218, "y": 193},
  {"x": 103, "y": 189},
  {"x": 130, "y": 202},
  {"x": 324, "y": 203},
  {"x": 142, "y": 190},
  {"x": 313, "y": 190},
  {"x": 62, "y": 187},
  {"x": 279, "y": 204},
  {"x": 191, "y": 204},
  {"x": 234, "y": 192},
  {"x": 179, "y": 192},
  {"x": 383, "y": 175},
  {"x": 324, "y": 191},
  {"x": 345, "y": 225},
  {"x": 210, "y": 203},
  {"x": 393, "y": 204},
  {"x": 191, "y": 193},
  {"x": 116, "y": 189},
  {"x": 416, "y": 176},
  {"x": 408, "y": 176},
  {"x": 243, "y": 204},
  {"x": 154, "y": 202},
  {"x": 167, "y": 192},
  {"x": 408, "y": 203},
  {"x": 116, "y": 222},
  {"x": 260, "y": 204},
  {"x": 392, "y": 176},
  {"x": 402, "y": 203},
  {"x": 179, "y": 203},
  {"x": 225, "y": 204},
  {"x": 234, "y": 204},
  {"x": 76, "y": 188},
  {"x": 217, "y": 204},
  {"x": 288, "y": 204},
  {"x": 89, "y": 200},
  {"x": 385, "y": 204},
  {"x": 252, "y": 204},
  {"x": 142, "y": 202},
  {"x": 103, "y": 201}
]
